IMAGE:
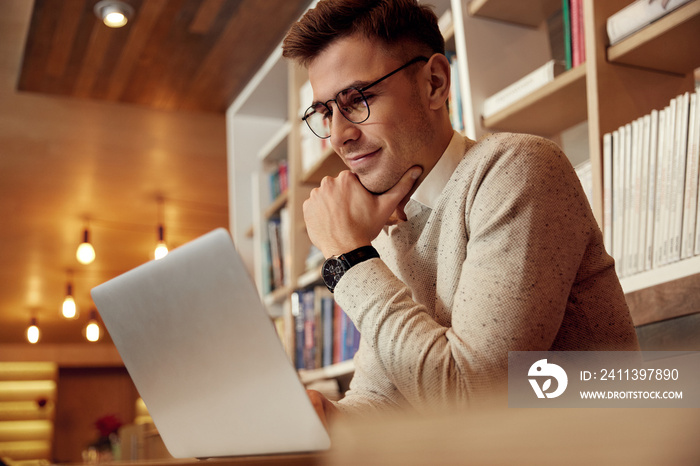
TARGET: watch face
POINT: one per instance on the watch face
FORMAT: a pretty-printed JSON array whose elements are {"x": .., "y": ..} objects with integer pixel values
[{"x": 332, "y": 270}]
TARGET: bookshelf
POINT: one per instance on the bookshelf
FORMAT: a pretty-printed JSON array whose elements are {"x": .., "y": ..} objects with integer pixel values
[
  {"x": 524, "y": 12},
  {"x": 614, "y": 86},
  {"x": 649, "y": 48},
  {"x": 548, "y": 111}
]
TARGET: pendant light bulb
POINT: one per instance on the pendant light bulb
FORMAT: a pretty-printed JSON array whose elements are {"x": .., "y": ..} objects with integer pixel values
[
  {"x": 33, "y": 332},
  {"x": 69, "y": 308},
  {"x": 161, "y": 248},
  {"x": 85, "y": 253},
  {"x": 92, "y": 330}
]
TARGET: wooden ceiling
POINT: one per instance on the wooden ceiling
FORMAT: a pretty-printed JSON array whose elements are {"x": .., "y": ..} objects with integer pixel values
[
  {"x": 193, "y": 55},
  {"x": 97, "y": 124}
]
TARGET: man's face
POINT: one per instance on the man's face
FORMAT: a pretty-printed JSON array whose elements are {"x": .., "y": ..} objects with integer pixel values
[{"x": 380, "y": 150}]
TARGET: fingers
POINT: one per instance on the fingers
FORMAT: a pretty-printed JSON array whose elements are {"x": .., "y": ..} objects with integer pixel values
[
  {"x": 396, "y": 198},
  {"x": 324, "y": 408}
]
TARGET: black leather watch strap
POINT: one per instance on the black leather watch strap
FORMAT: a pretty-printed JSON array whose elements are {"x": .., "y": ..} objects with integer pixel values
[{"x": 358, "y": 255}]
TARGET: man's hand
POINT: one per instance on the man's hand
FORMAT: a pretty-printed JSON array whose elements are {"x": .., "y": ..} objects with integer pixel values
[
  {"x": 341, "y": 215},
  {"x": 324, "y": 408}
]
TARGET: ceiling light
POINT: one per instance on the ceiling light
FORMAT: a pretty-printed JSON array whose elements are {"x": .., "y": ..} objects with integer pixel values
[
  {"x": 85, "y": 253},
  {"x": 92, "y": 330},
  {"x": 113, "y": 13},
  {"x": 69, "y": 309},
  {"x": 161, "y": 248},
  {"x": 33, "y": 331}
]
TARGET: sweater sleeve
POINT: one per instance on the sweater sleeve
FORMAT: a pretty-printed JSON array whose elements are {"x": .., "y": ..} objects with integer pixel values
[{"x": 525, "y": 226}]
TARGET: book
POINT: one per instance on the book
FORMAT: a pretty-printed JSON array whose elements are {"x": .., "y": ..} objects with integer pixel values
[
  {"x": 311, "y": 329},
  {"x": 578, "y": 49},
  {"x": 661, "y": 189},
  {"x": 627, "y": 193},
  {"x": 327, "y": 314},
  {"x": 607, "y": 192},
  {"x": 636, "y": 16},
  {"x": 274, "y": 232},
  {"x": 298, "y": 322},
  {"x": 566, "y": 17},
  {"x": 690, "y": 201},
  {"x": 618, "y": 200},
  {"x": 522, "y": 87},
  {"x": 635, "y": 196},
  {"x": 643, "y": 142},
  {"x": 651, "y": 188},
  {"x": 555, "y": 31},
  {"x": 680, "y": 154}
]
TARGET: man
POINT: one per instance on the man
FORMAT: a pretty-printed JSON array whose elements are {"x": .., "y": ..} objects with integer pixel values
[{"x": 483, "y": 247}]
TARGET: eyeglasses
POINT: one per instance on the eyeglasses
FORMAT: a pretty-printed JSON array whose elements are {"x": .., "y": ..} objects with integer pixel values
[{"x": 351, "y": 102}]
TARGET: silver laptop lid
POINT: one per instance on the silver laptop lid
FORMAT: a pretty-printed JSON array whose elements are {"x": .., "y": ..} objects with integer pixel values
[{"x": 205, "y": 357}]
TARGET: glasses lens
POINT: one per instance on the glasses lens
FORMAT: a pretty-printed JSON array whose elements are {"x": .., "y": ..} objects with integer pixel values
[
  {"x": 352, "y": 104},
  {"x": 318, "y": 118}
]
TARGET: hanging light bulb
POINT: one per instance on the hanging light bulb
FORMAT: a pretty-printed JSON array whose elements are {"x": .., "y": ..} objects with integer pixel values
[
  {"x": 92, "y": 330},
  {"x": 33, "y": 332},
  {"x": 161, "y": 248},
  {"x": 69, "y": 309},
  {"x": 85, "y": 252}
]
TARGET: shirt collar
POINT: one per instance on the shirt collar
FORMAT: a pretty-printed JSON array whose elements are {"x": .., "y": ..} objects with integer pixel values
[{"x": 433, "y": 184}]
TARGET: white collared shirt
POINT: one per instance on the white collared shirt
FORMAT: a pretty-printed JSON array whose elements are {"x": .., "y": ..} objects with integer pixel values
[{"x": 433, "y": 184}]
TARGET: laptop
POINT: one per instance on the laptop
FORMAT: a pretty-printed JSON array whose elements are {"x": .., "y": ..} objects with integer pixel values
[{"x": 205, "y": 356}]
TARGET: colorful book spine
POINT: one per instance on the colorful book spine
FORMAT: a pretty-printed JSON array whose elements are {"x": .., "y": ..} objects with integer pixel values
[{"x": 566, "y": 16}]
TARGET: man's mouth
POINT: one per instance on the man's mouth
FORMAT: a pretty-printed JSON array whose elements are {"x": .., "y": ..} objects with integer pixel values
[{"x": 355, "y": 162}]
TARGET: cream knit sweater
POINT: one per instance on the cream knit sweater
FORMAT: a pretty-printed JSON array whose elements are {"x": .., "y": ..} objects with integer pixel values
[{"x": 509, "y": 259}]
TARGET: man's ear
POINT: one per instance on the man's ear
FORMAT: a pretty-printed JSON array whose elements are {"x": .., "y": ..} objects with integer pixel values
[{"x": 439, "y": 68}]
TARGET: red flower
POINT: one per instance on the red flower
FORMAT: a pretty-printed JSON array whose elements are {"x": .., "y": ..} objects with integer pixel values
[{"x": 108, "y": 425}]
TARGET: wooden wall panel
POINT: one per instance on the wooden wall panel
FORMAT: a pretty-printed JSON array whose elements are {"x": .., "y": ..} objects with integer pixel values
[{"x": 85, "y": 395}]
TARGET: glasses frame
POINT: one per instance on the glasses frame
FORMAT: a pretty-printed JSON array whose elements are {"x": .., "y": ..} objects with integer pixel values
[{"x": 311, "y": 110}]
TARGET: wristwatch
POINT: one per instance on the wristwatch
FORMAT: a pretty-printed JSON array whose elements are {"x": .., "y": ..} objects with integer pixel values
[{"x": 335, "y": 267}]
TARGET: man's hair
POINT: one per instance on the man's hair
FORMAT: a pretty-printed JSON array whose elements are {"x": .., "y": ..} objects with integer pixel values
[{"x": 394, "y": 22}]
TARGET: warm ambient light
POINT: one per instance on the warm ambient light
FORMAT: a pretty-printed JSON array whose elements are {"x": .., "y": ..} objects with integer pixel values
[
  {"x": 33, "y": 333},
  {"x": 161, "y": 248},
  {"x": 92, "y": 330},
  {"x": 69, "y": 309},
  {"x": 85, "y": 252},
  {"x": 113, "y": 13}
]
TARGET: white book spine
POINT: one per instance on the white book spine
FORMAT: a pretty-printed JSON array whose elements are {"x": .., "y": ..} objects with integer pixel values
[
  {"x": 607, "y": 192},
  {"x": 637, "y": 15},
  {"x": 680, "y": 161},
  {"x": 629, "y": 203},
  {"x": 691, "y": 180},
  {"x": 645, "y": 123},
  {"x": 643, "y": 144},
  {"x": 651, "y": 196},
  {"x": 635, "y": 196},
  {"x": 671, "y": 145},
  {"x": 660, "y": 189},
  {"x": 519, "y": 89},
  {"x": 618, "y": 200}
]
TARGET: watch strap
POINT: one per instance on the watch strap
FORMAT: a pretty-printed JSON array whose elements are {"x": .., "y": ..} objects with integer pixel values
[{"x": 358, "y": 255}]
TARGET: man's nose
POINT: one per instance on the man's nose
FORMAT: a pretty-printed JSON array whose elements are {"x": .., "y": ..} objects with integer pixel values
[{"x": 343, "y": 130}]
